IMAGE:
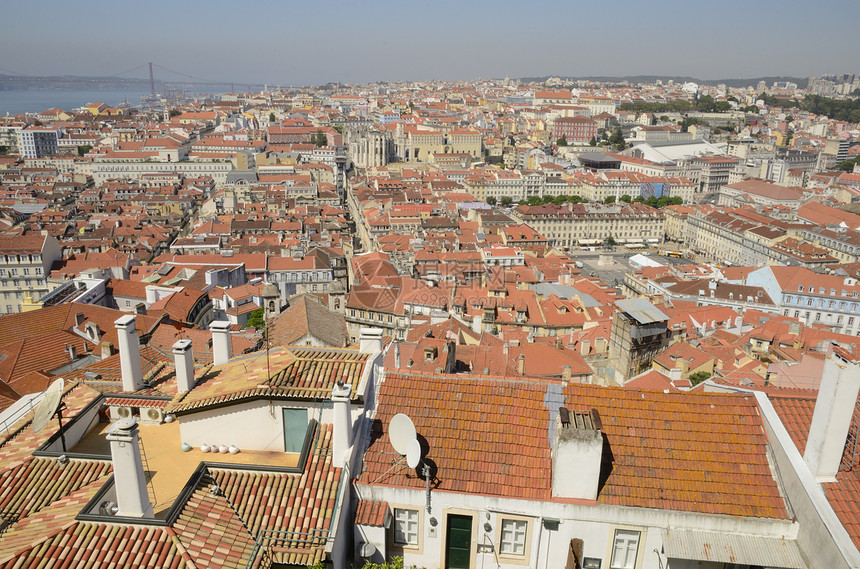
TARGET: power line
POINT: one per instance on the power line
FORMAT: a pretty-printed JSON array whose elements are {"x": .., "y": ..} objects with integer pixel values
[{"x": 129, "y": 70}]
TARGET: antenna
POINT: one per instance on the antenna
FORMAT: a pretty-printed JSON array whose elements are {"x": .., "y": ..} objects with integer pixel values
[
  {"x": 51, "y": 403},
  {"x": 401, "y": 433}
]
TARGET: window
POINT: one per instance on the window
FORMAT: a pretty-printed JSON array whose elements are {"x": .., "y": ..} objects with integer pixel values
[
  {"x": 405, "y": 526},
  {"x": 624, "y": 549},
  {"x": 513, "y": 540}
]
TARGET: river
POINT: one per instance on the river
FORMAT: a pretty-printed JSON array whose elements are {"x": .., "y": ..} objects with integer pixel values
[{"x": 16, "y": 102}]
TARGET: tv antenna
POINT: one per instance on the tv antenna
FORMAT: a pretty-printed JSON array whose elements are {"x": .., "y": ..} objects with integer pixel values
[{"x": 51, "y": 404}]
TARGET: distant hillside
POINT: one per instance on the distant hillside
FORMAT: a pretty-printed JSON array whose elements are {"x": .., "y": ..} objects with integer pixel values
[{"x": 802, "y": 82}]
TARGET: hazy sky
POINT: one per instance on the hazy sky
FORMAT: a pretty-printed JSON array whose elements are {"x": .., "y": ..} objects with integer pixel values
[{"x": 315, "y": 41}]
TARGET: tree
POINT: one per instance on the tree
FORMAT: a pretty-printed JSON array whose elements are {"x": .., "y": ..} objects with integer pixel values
[
  {"x": 617, "y": 139},
  {"x": 256, "y": 320},
  {"x": 848, "y": 165},
  {"x": 83, "y": 149},
  {"x": 507, "y": 200},
  {"x": 626, "y": 199},
  {"x": 609, "y": 241},
  {"x": 174, "y": 113},
  {"x": 609, "y": 200},
  {"x": 699, "y": 377},
  {"x": 751, "y": 109},
  {"x": 319, "y": 139},
  {"x": 271, "y": 117},
  {"x": 592, "y": 142},
  {"x": 690, "y": 121},
  {"x": 4, "y": 149},
  {"x": 491, "y": 200},
  {"x": 561, "y": 141}
]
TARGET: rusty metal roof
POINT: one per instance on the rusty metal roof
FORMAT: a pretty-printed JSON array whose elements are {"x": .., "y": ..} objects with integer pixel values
[
  {"x": 643, "y": 311},
  {"x": 725, "y": 547}
]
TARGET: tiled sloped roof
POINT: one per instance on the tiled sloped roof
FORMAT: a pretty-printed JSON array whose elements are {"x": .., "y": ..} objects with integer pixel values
[
  {"x": 492, "y": 436},
  {"x": 295, "y": 504},
  {"x": 295, "y": 372},
  {"x": 20, "y": 441},
  {"x": 23, "y": 540},
  {"x": 211, "y": 531},
  {"x": 38, "y": 482},
  {"x": 370, "y": 513},
  {"x": 133, "y": 402},
  {"x": 486, "y": 436},
  {"x": 844, "y": 494},
  {"x": 796, "y": 415},
  {"x": 306, "y": 315},
  {"x": 103, "y": 546}
]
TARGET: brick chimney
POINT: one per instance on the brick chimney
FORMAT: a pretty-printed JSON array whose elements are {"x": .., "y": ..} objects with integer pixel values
[
  {"x": 222, "y": 350},
  {"x": 129, "y": 479},
  {"x": 834, "y": 409},
  {"x": 183, "y": 356},
  {"x": 129, "y": 353}
]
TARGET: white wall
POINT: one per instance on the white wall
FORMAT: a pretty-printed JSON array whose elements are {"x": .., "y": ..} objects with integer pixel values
[
  {"x": 255, "y": 425},
  {"x": 594, "y": 524}
]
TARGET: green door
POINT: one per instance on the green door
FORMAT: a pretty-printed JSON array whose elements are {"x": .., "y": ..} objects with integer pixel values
[
  {"x": 295, "y": 427},
  {"x": 459, "y": 540}
]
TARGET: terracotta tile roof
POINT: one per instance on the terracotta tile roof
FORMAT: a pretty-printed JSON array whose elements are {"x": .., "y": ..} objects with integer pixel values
[
  {"x": 28, "y": 487},
  {"x": 211, "y": 531},
  {"x": 306, "y": 315},
  {"x": 844, "y": 494},
  {"x": 370, "y": 513},
  {"x": 134, "y": 402},
  {"x": 492, "y": 436},
  {"x": 104, "y": 546},
  {"x": 304, "y": 373},
  {"x": 20, "y": 441},
  {"x": 295, "y": 505}
]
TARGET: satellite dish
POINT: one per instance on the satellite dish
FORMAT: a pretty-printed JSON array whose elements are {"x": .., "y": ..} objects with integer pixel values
[
  {"x": 413, "y": 453},
  {"x": 48, "y": 405},
  {"x": 401, "y": 432},
  {"x": 367, "y": 550}
]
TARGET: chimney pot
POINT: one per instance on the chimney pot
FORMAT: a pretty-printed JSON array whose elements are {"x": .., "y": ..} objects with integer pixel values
[
  {"x": 222, "y": 350},
  {"x": 129, "y": 479},
  {"x": 831, "y": 419},
  {"x": 183, "y": 356},
  {"x": 342, "y": 434},
  {"x": 129, "y": 353}
]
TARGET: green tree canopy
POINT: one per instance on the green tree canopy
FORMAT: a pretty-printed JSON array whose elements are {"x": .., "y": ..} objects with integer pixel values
[
  {"x": 699, "y": 377},
  {"x": 561, "y": 141},
  {"x": 257, "y": 320},
  {"x": 83, "y": 149},
  {"x": 507, "y": 200},
  {"x": 491, "y": 200}
]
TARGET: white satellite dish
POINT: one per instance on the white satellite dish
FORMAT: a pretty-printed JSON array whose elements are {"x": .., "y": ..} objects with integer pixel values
[
  {"x": 48, "y": 405},
  {"x": 413, "y": 453},
  {"x": 401, "y": 432}
]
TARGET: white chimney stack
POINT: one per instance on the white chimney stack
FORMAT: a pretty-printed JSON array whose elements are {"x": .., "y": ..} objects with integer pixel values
[
  {"x": 477, "y": 324},
  {"x": 129, "y": 479},
  {"x": 183, "y": 357},
  {"x": 396, "y": 354},
  {"x": 222, "y": 350},
  {"x": 342, "y": 423},
  {"x": 834, "y": 408},
  {"x": 370, "y": 341},
  {"x": 129, "y": 353},
  {"x": 577, "y": 447}
]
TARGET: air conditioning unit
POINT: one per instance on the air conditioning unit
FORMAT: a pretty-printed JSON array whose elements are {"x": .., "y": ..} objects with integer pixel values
[
  {"x": 151, "y": 415},
  {"x": 121, "y": 412}
]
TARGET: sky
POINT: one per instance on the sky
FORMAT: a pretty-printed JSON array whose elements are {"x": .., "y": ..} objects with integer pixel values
[{"x": 318, "y": 41}]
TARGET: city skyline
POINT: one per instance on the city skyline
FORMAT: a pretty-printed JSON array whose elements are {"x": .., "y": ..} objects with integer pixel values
[{"x": 384, "y": 41}]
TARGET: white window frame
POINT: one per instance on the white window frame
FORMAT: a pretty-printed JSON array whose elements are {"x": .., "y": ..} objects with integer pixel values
[
  {"x": 405, "y": 515},
  {"x": 518, "y": 529},
  {"x": 625, "y": 543}
]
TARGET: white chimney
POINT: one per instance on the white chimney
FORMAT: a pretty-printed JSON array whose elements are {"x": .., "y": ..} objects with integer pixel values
[
  {"x": 396, "y": 354},
  {"x": 578, "y": 447},
  {"x": 342, "y": 423},
  {"x": 129, "y": 479},
  {"x": 834, "y": 408},
  {"x": 129, "y": 353},
  {"x": 222, "y": 350},
  {"x": 183, "y": 357},
  {"x": 477, "y": 324},
  {"x": 370, "y": 341}
]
